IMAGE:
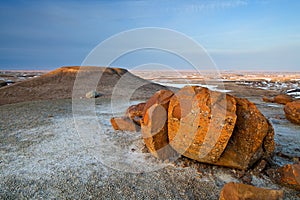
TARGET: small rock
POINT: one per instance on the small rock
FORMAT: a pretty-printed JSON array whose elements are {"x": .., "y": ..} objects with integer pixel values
[
  {"x": 124, "y": 124},
  {"x": 92, "y": 94},
  {"x": 235, "y": 191}
]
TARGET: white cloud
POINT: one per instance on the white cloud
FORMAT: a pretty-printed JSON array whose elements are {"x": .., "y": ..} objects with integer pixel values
[{"x": 208, "y": 5}]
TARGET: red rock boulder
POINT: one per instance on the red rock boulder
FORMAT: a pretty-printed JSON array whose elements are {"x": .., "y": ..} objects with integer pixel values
[
  {"x": 154, "y": 125},
  {"x": 236, "y": 191},
  {"x": 292, "y": 112},
  {"x": 201, "y": 123},
  {"x": 252, "y": 138}
]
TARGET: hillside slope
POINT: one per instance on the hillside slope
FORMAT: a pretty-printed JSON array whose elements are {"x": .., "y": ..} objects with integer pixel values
[{"x": 59, "y": 84}]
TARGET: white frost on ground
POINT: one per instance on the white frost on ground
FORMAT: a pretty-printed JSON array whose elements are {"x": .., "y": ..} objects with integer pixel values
[{"x": 64, "y": 148}]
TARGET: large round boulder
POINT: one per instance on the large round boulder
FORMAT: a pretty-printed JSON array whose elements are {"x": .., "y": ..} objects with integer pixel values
[{"x": 201, "y": 123}]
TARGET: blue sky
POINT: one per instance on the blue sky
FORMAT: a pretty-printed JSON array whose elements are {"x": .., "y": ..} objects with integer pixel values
[{"x": 238, "y": 34}]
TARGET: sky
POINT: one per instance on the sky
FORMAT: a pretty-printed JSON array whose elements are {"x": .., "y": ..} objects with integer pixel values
[{"x": 237, "y": 34}]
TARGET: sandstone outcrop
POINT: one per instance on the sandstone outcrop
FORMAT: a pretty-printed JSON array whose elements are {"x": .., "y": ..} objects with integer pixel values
[
  {"x": 292, "y": 111},
  {"x": 236, "y": 191}
]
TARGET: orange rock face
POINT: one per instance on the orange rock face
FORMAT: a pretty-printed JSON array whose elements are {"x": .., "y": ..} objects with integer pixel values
[
  {"x": 124, "y": 124},
  {"x": 201, "y": 123},
  {"x": 136, "y": 112},
  {"x": 236, "y": 191},
  {"x": 289, "y": 175},
  {"x": 292, "y": 111},
  {"x": 154, "y": 125},
  {"x": 252, "y": 139}
]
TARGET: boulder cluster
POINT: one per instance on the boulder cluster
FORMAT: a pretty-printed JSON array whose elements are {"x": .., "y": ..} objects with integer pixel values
[
  {"x": 207, "y": 126},
  {"x": 214, "y": 128}
]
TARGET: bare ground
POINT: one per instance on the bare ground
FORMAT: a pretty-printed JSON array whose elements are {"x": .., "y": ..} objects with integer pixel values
[{"x": 43, "y": 156}]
